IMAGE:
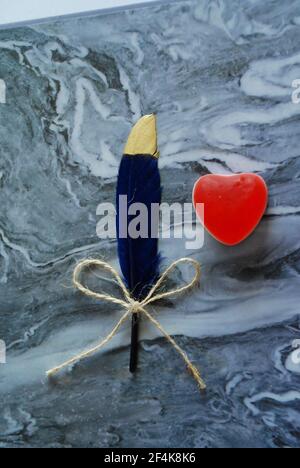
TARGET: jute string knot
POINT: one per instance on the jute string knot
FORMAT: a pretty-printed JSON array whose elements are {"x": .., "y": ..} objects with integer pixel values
[{"x": 132, "y": 306}]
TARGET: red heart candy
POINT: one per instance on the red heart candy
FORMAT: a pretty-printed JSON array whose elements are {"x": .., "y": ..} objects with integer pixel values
[{"x": 233, "y": 205}]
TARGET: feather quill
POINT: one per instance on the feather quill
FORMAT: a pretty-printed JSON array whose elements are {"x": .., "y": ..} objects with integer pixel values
[{"x": 139, "y": 182}]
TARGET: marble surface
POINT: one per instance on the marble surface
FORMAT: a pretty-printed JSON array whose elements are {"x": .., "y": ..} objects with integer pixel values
[{"x": 219, "y": 74}]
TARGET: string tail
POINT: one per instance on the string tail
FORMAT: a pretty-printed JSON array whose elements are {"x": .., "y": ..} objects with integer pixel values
[
  {"x": 196, "y": 374},
  {"x": 193, "y": 370},
  {"x": 90, "y": 352}
]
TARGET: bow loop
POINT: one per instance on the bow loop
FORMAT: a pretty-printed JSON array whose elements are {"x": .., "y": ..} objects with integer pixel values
[
  {"x": 85, "y": 264},
  {"x": 174, "y": 292}
]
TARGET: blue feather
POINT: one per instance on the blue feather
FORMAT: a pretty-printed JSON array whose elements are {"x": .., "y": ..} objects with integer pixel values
[{"x": 139, "y": 180}]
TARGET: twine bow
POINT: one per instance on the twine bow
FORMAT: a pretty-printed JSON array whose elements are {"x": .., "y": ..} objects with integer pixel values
[{"x": 132, "y": 306}]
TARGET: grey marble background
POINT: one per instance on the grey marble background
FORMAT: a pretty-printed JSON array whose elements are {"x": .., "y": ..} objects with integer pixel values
[{"x": 219, "y": 75}]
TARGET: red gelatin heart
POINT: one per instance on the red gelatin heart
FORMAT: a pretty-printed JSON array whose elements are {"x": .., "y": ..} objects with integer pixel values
[{"x": 233, "y": 205}]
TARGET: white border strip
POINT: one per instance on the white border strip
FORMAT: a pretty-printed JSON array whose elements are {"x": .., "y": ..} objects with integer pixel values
[{"x": 134, "y": 4}]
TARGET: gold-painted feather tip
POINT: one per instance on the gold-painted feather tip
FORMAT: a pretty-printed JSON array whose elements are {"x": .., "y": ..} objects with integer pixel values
[{"x": 143, "y": 138}]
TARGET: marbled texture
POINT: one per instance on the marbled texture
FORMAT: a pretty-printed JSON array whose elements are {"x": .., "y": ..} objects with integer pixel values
[{"x": 219, "y": 76}]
